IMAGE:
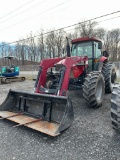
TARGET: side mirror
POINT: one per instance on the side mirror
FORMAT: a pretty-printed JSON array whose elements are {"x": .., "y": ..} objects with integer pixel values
[
  {"x": 99, "y": 45},
  {"x": 105, "y": 53}
]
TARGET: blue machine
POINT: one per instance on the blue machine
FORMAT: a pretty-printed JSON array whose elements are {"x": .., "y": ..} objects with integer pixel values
[{"x": 10, "y": 72}]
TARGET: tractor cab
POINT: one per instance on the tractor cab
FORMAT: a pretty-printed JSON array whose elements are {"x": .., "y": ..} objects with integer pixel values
[{"x": 90, "y": 47}]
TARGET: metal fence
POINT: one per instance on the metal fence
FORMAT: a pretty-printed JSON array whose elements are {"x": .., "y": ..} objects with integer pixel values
[
  {"x": 33, "y": 68},
  {"x": 29, "y": 71},
  {"x": 29, "y": 67}
]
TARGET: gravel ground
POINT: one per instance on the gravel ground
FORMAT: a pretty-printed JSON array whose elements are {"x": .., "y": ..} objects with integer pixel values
[{"x": 91, "y": 136}]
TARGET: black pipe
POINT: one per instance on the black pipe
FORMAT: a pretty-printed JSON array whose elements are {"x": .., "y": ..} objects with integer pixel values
[
  {"x": 38, "y": 76},
  {"x": 68, "y": 48},
  {"x": 61, "y": 78}
]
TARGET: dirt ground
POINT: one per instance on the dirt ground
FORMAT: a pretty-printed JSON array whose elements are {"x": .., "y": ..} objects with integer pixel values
[{"x": 91, "y": 136}]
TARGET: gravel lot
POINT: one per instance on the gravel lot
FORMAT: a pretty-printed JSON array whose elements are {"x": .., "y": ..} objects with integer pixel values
[{"x": 91, "y": 136}]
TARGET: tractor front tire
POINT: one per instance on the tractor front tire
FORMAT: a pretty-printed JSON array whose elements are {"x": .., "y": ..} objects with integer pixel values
[
  {"x": 109, "y": 73},
  {"x": 115, "y": 108},
  {"x": 93, "y": 89}
]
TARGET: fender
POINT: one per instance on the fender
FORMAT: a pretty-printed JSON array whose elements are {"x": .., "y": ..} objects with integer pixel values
[{"x": 102, "y": 60}]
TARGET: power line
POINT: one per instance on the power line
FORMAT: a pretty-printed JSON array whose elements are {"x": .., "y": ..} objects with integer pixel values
[
  {"x": 65, "y": 27},
  {"x": 23, "y": 11},
  {"x": 108, "y": 19},
  {"x": 16, "y": 9},
  {"x": 100, "y": 21},
  {"x": 36, "y": 15}
]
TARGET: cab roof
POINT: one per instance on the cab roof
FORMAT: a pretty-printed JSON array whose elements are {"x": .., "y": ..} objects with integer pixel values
[{"x": 83, "y": 39}]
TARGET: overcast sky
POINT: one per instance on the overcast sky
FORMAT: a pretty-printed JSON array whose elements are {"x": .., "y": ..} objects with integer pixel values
[{"x": 19, "y": 17}]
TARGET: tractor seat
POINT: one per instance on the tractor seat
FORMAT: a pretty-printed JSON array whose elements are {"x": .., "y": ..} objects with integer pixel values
[
  {"x": 8, "y": 69},
  {"x": 12, "y": 68}
]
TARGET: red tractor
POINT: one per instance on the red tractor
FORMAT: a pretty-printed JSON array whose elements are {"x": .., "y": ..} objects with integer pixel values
[{"x": 49, "y": 109}]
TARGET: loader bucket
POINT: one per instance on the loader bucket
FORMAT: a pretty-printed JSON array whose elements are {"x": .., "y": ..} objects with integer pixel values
[{"x": 49, "y": 114}]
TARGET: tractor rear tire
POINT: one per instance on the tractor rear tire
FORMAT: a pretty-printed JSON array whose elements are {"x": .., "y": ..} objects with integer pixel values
[
  {"x": 93, "y": 89},
  {"x": 115, "y": 108},
  {"x": 109, "y": 73}
]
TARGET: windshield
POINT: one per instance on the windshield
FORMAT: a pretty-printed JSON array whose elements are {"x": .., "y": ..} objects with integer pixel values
[{"x": 82, "y": 49}]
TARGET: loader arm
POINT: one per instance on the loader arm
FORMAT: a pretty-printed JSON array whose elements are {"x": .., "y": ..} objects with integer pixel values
[
  {"x": 67, "y": 64},
  {"x": 41, "y": 77}
]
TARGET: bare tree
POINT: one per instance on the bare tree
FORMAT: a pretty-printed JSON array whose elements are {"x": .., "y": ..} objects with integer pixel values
[
  {"x": 111, "y": 43},
  {"x": 20, "y": 51},
  {"x": 41, "y": 44},
  {"x": 4, "y": 51},
  {"x": 48, "y": 48},
  {"x": 100, "y": 33},
  {"x": 59, "y": 39},
  {"x": 86, "y": 28},
  {"x": 32, "y": 46},
  {"x": 50, "y": 41},
  {"x": 17, "y": 51}
]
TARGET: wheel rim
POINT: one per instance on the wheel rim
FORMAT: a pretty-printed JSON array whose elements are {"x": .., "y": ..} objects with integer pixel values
[{"x": 99, "y": 90}]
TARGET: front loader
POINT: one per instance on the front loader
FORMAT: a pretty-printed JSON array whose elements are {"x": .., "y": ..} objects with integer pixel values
[{"x": 49, "y": 109}]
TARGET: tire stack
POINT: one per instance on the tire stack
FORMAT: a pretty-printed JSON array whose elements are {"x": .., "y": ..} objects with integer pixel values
[
  {"x": 115, "y": 107},
  {"x": 109, "y": 73}
]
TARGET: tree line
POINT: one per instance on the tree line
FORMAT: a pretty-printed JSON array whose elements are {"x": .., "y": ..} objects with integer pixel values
[{"x": 53, "y": 44}]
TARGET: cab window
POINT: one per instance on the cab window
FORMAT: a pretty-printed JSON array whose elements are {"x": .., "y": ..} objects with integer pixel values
[
  {"x": 97, "y": 51},
  {"x": 82, "y": 49}
]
